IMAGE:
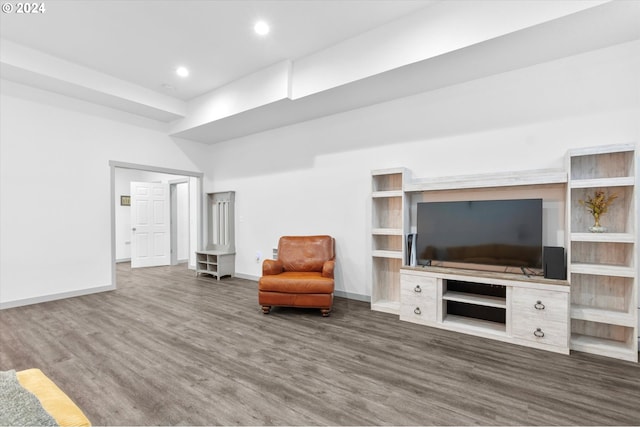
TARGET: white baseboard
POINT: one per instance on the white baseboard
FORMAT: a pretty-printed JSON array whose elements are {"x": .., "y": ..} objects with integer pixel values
[
  {"x": 53, "y": 297},
  {"x": 246, "y": 276},
  {"x": 351, "y": 295}
]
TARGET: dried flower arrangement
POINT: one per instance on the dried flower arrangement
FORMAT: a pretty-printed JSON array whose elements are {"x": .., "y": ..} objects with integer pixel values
[{"x": 598, "y": 205}]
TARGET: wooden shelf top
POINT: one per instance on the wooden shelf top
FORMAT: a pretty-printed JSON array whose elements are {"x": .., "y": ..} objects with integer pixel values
[
  {"x": 621, "y": 181},
  {"x": 387, "y": 193},
  {"x": 484, "y": 300},
  {"x": 387, "y": 254},
  {"x": 496, "y": 276},
  {"x": 602, "y": 315},
  {"x": 489, "y": 180},
  {"x": 602, "y": 270},
  {"x": 603, "y": 237},
  {"x": 387, "y": 232},
  {"x": 602, "y": 149}
]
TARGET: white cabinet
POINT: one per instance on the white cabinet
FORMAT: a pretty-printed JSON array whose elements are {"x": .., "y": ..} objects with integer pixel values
[
  {"x": 540, "y": 316},
  {"x": 530, "y": 311},
  {"x": 603, "y": 267},
  {"x": 215, "y": 263}
]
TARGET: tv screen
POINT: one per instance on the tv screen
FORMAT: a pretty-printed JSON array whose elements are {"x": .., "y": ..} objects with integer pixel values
[{"x": 493, "y": 232}]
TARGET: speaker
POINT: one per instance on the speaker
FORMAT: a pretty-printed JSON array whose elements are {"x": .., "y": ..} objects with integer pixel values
[
  {"x": 412, "y": 241},
  {"x": 554, "y": 262}
]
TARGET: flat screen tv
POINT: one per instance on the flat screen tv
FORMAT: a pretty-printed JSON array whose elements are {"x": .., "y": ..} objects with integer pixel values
[{"x": 490, "y": 232}]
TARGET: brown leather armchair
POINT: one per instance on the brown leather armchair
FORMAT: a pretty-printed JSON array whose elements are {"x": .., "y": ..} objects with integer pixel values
[{"x": 302, "y": 276}]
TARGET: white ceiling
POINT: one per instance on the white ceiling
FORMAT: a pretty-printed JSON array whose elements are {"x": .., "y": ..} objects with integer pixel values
[
  {"x": 143, "y": 42},
  {"x": 349, "y": 53}
]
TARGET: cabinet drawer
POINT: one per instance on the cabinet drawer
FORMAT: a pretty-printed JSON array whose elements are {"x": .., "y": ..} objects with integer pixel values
[
  {"x": 417, "y": 286},
  {"x": 540, "y": 305},
  {"x": 418, "y": 313},
  {"x": 549, "y": 333},
  {"x": 418, "y": 299},
  {"x": 540, "y": 316}
]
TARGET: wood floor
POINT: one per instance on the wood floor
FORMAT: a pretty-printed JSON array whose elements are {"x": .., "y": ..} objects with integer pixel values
[{"x": 168, "y": 348}]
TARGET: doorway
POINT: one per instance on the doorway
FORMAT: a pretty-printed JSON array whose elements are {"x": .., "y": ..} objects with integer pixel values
[{"x": 186, "y": 205}]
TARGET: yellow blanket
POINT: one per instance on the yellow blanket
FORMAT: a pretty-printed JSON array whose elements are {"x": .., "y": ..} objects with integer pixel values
[{"x": 53, "y": 400}]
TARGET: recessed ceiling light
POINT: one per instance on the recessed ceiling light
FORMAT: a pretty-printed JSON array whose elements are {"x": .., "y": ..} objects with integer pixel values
[
  {"x": 261, "y": 28},
  {"x": 182, "y": 71}
]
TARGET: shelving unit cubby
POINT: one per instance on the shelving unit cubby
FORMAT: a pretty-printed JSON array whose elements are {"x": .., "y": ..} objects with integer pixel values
[{"x": 603, "y": 267}]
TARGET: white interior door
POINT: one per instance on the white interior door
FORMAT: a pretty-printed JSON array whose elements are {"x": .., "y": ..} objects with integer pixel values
[{"x": 150, "y": 224}]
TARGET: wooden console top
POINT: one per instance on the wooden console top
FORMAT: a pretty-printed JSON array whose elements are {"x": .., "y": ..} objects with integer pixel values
[{"x": 472, "y": 273}]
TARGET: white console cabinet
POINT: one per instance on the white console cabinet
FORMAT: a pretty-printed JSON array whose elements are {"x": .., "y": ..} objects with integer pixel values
[
  {"x": 215, "y": 263},
  {"x": 530, "y": 311}
]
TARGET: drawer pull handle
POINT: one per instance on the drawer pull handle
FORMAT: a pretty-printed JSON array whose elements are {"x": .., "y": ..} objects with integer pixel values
[
  {"x": 539, "y": 305},
  {"x": 417, "y": 289},
  {"x": 417, "y": 310},
  {"x": 538, "y": 333}
]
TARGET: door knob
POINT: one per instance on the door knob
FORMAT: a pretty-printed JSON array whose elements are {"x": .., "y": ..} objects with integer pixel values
[{"x": 133, "y": 229}]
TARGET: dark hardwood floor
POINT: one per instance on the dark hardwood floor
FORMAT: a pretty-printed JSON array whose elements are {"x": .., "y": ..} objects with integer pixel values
[{"x": 168, "y": 348}]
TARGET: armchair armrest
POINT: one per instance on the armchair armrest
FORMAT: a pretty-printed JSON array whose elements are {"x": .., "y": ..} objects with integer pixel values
[
  {"x": 271, "y": 267},
  {"x": 327, "y": 268}
]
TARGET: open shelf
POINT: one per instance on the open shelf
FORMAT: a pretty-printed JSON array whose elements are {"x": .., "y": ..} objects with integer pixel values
[
  {"x": 387, "y": 180},
  {"x": 603, "y": 270},
  {"x": 385, "y": 294},
  {"x": 475, "y": 325},
  {"x": 386, "y": 306},
  {"x": 385, "y": 194},
  {"x": 386, "y": 254},
  {"x": 483, "y": 300},
  {"x": 387, "y": 231},
  {"x": 596, "y": 314},
  {"x": 604, "y": 347}
]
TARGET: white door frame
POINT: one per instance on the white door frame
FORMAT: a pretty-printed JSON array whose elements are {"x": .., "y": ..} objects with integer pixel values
[
  {"x": 113, "y": 164},
  {"x": 173, "y": 197}
]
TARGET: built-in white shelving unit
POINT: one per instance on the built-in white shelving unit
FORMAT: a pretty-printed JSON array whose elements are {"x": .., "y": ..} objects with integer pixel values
[
  {"x": 603, "y": 267},
  {"x": 388, "y": 230},
  {"x": 596, "y": 309}
]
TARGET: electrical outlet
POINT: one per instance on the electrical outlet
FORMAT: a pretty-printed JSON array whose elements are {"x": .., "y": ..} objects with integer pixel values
[{"x": 258, "y": 256}]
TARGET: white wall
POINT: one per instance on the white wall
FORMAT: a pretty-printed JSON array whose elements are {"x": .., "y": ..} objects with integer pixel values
[
  {"x": 314, "y": 177},
  {"x": 55, "y": 199}
]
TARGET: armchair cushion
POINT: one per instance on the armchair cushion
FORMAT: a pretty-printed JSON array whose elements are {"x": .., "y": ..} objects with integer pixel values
[{"x": 300, "y": 282}]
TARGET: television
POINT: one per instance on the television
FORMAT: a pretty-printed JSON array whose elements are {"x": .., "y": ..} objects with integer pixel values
[{"x": 504, "y": 233}]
